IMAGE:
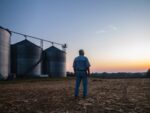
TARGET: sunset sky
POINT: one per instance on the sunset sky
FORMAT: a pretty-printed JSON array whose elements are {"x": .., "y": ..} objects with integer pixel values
[{"x": 115, "y": 34}]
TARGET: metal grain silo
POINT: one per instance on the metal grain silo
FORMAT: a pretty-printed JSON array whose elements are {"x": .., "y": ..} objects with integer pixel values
[
  {"x": 4, "y": 53},
  {"x": 26, "y": 59},
  {"x": 54, "y": 62}
]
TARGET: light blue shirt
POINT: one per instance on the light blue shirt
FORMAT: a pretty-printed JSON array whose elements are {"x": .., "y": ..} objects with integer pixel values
[{"x": 81, "y": 63}]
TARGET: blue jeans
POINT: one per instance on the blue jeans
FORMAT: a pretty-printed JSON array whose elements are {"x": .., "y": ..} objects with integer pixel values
[{"x": 81, "y": 76}]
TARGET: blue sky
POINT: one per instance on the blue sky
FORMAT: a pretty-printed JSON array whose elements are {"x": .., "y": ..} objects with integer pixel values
[{"x": 115, "y": 34}]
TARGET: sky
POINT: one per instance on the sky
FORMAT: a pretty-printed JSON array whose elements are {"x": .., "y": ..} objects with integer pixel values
[{"x": 115, "y": 34}]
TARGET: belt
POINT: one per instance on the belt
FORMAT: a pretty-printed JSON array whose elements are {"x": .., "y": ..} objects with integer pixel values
[{"x": 80, "y": 70}]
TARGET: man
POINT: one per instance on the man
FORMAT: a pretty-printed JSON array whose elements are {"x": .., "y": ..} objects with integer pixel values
[{"x": 82, "y": 71}]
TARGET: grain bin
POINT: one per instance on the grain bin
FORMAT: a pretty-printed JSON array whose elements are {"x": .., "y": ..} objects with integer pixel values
[
  {"x": 4, "y": 53},
  {"x": 54, "y": 62},
  {"x": 26, "y": 59}
]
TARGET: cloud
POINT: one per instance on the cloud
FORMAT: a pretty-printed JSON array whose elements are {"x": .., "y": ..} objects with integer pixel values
[
  {"x": 108, "y": 29},
  {"x": 114, "y": 28},
  {"x": 101, "y": 31}
]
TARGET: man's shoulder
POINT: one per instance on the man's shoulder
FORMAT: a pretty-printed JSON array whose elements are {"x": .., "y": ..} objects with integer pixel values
[
  {"x": 85, "y": 57},
  {"x": 81, "y": 58},
  {"x": 76, "y": 57}
]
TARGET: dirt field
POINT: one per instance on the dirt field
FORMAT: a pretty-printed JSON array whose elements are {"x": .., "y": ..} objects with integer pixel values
[{"x": 56, "y": 96}]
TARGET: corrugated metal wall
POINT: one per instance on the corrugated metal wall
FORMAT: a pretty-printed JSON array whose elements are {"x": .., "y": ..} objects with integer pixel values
[
  {"x": 54, "y": 62},
  {"x": 26, "y": 59},
  {"x": 4, "y": 53}
]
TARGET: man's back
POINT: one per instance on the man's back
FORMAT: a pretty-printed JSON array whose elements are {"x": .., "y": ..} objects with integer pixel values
[{"x": 81, "y": 63}]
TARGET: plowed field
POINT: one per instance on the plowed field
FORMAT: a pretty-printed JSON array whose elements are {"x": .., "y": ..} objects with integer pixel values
[{"x": 56, "y": 96}]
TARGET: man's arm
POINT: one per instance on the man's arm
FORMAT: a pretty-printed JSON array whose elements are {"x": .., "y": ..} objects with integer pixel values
[
  {"x": 88, "y": 71},
  {"x": 74, "y": 70},
  {"x": 74, "y": 65},
  {"x": 88, "y": 66}
]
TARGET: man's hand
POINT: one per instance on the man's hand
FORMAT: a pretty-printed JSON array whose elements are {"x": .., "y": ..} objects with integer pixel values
[
  {"x": 88, "y": 71},
  {"x": 75, "y": 73}
]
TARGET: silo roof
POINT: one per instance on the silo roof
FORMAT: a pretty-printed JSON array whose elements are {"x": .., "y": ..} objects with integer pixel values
[
  {"x": 6, "y": 29},
  {"x": 53, "y": 49},
  {"x": 25, "y": 42}
]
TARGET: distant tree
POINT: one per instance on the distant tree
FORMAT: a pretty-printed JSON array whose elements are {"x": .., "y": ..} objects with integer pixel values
[
  {"x": 148, "y": 73},
  {"x": 70, "y": 74}
]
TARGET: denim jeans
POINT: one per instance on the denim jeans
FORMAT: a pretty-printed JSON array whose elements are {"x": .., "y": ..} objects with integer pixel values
[{"x": 81, "y": 76}]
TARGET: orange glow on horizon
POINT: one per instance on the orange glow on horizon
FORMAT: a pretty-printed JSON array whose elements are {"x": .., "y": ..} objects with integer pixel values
[
  {"x": 100, "y": 63},
  {"x": 117, "y": 66},
  {"x": 121, "y": 66}
]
